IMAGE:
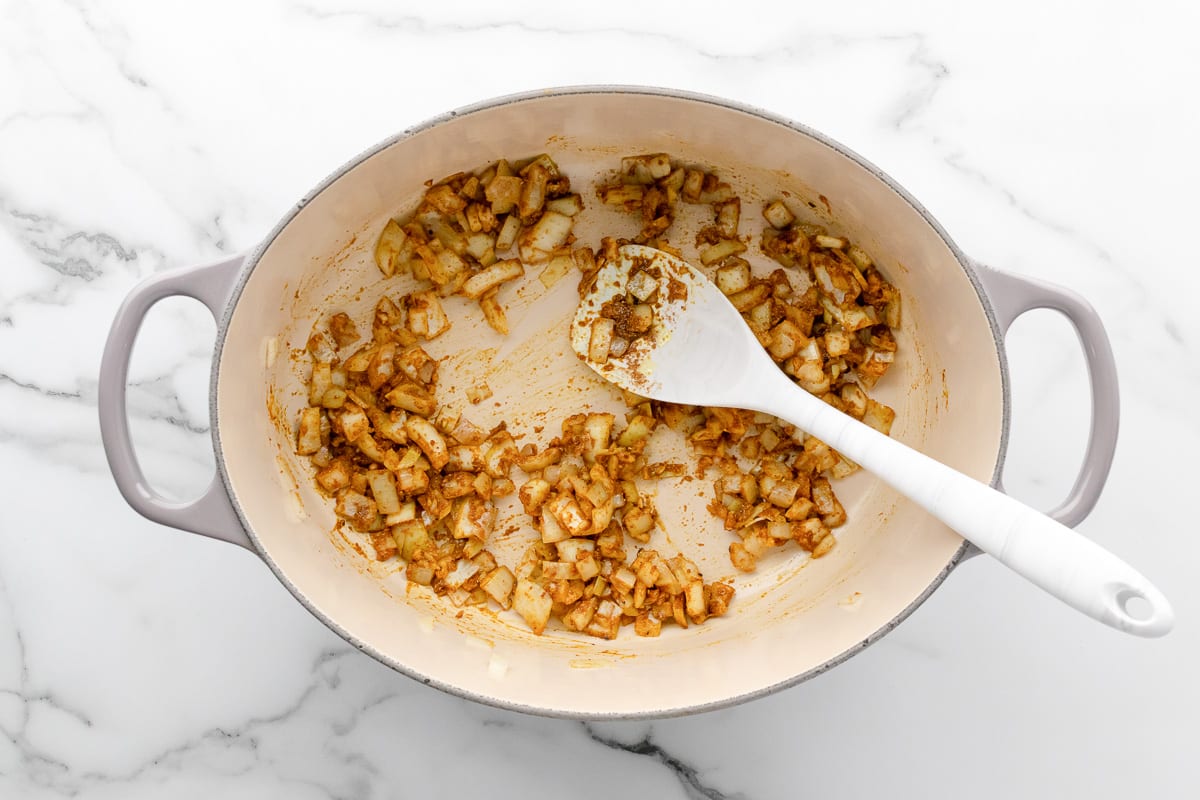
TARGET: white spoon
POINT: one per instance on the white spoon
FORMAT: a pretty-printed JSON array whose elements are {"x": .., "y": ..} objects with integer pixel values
[{"x": 699, "y": 351}]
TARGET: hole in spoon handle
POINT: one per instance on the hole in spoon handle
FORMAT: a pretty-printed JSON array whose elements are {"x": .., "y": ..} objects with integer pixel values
[{"x": 1143, "y": 611}]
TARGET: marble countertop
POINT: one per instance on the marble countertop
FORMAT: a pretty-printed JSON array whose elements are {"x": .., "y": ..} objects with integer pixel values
[{"x": 1051, "y": 139}]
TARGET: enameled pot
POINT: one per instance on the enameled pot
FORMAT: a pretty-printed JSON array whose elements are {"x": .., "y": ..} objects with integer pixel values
[{"x": 793, "y": 618}]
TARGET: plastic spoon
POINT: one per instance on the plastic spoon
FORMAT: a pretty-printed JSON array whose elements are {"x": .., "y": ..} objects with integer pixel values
[{"x": 699, "y": 351}]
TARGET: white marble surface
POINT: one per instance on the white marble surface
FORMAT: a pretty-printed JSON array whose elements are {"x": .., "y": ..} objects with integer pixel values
[{"x": 1054, "y": 139}]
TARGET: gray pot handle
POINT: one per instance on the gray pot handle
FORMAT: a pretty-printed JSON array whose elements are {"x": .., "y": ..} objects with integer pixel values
[
  {"x": 1012, "y": 296},
  {"x": 211, "y": 514}
]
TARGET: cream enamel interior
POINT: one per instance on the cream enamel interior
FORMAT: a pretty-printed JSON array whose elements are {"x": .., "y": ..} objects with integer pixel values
[{"x": 791, "y": 617}]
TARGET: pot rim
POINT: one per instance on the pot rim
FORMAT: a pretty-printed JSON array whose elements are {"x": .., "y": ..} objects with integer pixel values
[{"x": 252, "y": 258}]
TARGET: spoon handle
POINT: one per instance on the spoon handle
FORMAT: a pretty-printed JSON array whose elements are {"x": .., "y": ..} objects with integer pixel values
[{"x": 1067, "y": 565}]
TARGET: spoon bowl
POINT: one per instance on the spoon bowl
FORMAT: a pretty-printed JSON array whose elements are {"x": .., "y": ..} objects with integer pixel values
[{"x": 698, "y": 350}]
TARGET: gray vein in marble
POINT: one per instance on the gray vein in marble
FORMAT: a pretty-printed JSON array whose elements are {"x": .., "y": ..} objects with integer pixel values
[
  {"x": 76, "y": 256},
  {"x": 921, "y": 98},
  {"x": 157, "y": 389},
  {"x": 36, "y": 762},
  {"x": 105, "y": 39},
  {"x": 1173, "y": 331},
  {"x": 419, "y": 26},
  {"x": 687, "y": 775},
  {"x": 344, "y": 727},
  {"x": 248, "y": 736},
  {"x": 57, "y": 448},
  {"x": 65, "y": 445},
  {"x": 221, "y": 236},
  {"x": 493, "y": 722},
  {"x": 81, "y": 256},
  {"x": 9, "y": 120},
  {"x": 1133, "y": 288},
  {"x": 33, "y": 387},
  {"x": 91, "y": 112},
  {"x": 243, "y": 736},
  {"x": 331, "y": 656},
  {"x": 60, "y": 258}
]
